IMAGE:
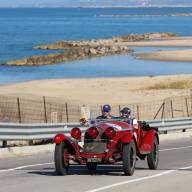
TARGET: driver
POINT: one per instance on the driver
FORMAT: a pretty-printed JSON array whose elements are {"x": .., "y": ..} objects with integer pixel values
[
  {"x": 106, "y": 109},
  {"x": 126, "y": 114}
]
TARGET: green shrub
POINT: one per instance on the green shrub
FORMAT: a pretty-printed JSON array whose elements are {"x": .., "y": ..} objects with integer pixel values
[{"x": 187, "y": 84}]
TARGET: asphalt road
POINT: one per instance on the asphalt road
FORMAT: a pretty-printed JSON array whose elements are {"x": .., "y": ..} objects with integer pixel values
[{"x": 36, "y": 174}]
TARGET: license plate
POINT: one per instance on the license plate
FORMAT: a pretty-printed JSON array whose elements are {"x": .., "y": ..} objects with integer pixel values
[{"x": 94, "y": 160}]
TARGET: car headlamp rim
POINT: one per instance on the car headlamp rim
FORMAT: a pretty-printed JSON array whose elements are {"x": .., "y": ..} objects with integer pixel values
[
  {"x": 93, "y": 132},
  {"x": 76, "y": 133}
]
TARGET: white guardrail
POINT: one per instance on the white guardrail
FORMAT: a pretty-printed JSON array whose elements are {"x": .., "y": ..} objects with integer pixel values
[{"x": 16, "y": 131}]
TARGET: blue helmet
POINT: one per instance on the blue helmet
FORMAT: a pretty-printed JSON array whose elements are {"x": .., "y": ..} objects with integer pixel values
[
  {"x": 106, "y": 108},
  {"x": 126, "y": 110}
]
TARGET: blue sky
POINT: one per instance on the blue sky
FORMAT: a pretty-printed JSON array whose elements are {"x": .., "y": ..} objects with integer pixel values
[{"x": 7, "y": 2}]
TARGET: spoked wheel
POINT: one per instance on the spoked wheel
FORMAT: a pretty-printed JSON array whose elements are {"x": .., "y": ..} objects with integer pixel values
[
  {"x": 129, "y": 158},
  {"x": 153, "y": 157},
  {"x": 91, "y": 167},
  {"x": 61, "y": 159}
]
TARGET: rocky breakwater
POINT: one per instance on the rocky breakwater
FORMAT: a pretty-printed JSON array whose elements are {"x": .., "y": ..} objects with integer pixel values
[
  {"x": 144, "y": 37},
  {"x": 70, "y": 55},
  {"x": 76, "y": 50},
  {"x": 105, "y": 42}
]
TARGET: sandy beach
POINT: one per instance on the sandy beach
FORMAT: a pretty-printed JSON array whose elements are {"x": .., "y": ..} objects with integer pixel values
[
  {"x": 181, "y": 55},
  {"x": 185, "y": 41},
  {"x": 173, "y": 55},
  {"x": 99, "y": 90}
]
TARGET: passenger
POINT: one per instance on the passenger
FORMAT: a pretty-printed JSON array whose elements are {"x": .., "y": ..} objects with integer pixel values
[
  {"x": 106, "y": 113},
  {"x": 126, "y": 114}
]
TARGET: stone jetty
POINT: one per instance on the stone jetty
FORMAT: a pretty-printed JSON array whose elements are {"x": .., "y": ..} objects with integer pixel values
[{"x": 82, "y": 49}]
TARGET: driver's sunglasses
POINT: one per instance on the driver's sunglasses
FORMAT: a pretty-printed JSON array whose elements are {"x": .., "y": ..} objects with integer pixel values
[{"x": 106, "y": 111}]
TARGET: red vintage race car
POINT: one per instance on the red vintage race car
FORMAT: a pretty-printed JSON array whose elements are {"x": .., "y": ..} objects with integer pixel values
[{"x": 108, "y": 142}]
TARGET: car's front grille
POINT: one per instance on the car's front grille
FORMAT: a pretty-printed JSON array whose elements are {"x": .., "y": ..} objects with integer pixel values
[{"x": 94, "y": 147}]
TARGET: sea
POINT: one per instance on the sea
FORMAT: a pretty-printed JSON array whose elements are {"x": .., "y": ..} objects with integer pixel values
[{"x": 23, "y": 28}]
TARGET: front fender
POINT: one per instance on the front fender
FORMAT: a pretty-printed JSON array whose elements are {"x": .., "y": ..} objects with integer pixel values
[
  {"x": 147, "y": 142},
  {"x": 127, "y": 137},
  {"x": 73, "y": 147},
  {"x": 60, "y": 138}
]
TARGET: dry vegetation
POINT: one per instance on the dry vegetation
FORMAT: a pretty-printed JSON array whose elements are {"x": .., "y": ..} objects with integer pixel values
[{"x": 185, "y": 84}]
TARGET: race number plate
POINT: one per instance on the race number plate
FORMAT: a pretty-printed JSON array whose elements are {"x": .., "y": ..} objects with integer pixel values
[{"x": 93, "y": 160}]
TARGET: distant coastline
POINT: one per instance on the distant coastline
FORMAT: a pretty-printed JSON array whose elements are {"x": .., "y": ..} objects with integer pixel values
[
  {"x": 94, "y": 7},
  {"x": 148, "y": 15}
]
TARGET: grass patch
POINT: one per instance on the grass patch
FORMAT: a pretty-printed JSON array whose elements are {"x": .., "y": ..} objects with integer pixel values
[{"x": 187, "y": 84}]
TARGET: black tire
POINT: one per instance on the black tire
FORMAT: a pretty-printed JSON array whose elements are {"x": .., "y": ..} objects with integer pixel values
[
  {"x": 129, "y": 158},
  {"x": 61, "y": 161},
  {"x": 91, "y": 167},
  {"x": 153, "y": 157}
]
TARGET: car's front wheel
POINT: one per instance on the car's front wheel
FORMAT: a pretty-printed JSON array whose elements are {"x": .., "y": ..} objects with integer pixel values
[
  {"x": 129, "y": 158},
  {"x": 153, "y": 157},
  {"x": 61, "y": 159}
]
